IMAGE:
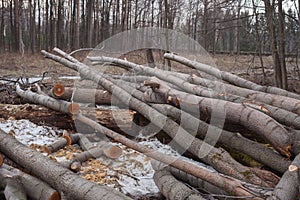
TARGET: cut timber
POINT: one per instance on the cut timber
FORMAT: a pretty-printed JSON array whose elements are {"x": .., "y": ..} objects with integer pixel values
[
  {"x": 34, "y": 187},
  {"x": 188, "y": 178},
  {"x": 226, "y": 138},
  {"x": 206, "y": 131},
  {"x": 85, "y": 95},
  {"x": 60, "y": 178},
  {"x": 215, "y": 89},
  {"x": 65, "y": 107},
  {"x": 288, "y": 186},
  {"x": 251, "y": 119},
  {"x": 228, "y": 184},
  {"x": 218, "y": 158},
  {"x": 14, "y": 189},
  {"x": 231, "y": 185},
  {"x": 172, "y": 188},
  {"x": 116, "y": 119},
  {"x": 234, "y": 112},
  {"x": 231, "y": 78},
  {"x": 106, "y": 149},
  {"x": 66, "y": 139},
  {"x": 57, "y": 91}
]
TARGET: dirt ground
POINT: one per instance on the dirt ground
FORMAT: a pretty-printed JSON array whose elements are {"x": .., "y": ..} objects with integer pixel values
[{"x": 13, "y": 65}]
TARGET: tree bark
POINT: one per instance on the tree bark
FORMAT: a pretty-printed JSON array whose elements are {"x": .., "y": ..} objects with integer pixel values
[
  {"x": 60, "y": 178},
  {"x": 14, "y": 189},
  {"x": 251, "y": 119},
  {"x": 288, "y": 186},
  {"x": 172, "y": 188},
  {"x": 188, "y": 178},
  {"x": 226, "y": 138},
  {"x": 34, "y": 187},
  {"x": 250, "y": 98},
  {"x": 233, "y": 79}
]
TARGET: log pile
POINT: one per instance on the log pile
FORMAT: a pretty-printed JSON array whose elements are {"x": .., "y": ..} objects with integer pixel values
[{"x": 217, "y": 122}]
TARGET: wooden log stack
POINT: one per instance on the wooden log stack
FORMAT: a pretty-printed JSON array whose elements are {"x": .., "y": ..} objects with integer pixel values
[{"x": 217, "y": 122}]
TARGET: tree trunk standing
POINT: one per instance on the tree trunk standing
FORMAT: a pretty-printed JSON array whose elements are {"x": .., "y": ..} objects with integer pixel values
[
  {"x": 167, "y": 32},
  {"x": 32, "y": 25},
  {"x": 77, "y": 24},
  {"x": 16, "y": 29},
  {"x": 47, "y": 35},
  {"x": 69, "y": 26},
  {"x": 60, "y": 24},
  {"x": 125, "y": 15},
  {"x": 90, "y": 10},
  {"x": 96, "y": 22},
  {"x": 205, "y": 25},
  {"x": 237, "y": 29},
  {"x": 39, "y": 35},
  {"x": 269, "y": 12},
  {"x": 282, "y": 46},
  {"x": 259, "y": 41},
  {"x": 52, "y": 30},
  {"x": 2, "y": 37}
]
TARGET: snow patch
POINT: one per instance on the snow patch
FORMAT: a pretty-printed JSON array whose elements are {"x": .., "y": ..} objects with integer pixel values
[{"x": 29, "y": 133}]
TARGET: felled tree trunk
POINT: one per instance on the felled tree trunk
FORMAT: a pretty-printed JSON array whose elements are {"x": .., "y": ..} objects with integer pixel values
[
  {"x": 34, "y": 188},
  {"x": 215, "y": 88},
  {"x": 44, "y": 116},
  {"x": 288, "y": 186},
  {"x": 225, "y": 138},
  {"x": 172, "y": 188},
  {"x": 14, "y": 189},
  {"x": 60, "y": 178},
  {"x": 218, "y": 158},
  {"x": 85, "y": 95},
  {"x": 188, "y": 178},
  {"x": 231, "y": 78},
  {"x": 254, "y": 120}
]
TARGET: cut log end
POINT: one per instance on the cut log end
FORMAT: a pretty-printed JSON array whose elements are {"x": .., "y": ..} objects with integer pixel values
[
  {"x": 58, "y": 90},
  {"x": 55, "y": 196},
  {"x": 67, "y": 138},
  {"x": 113, "y": 152},
  {"x": 293, "y": 168},
  {"x": 75, "y": 166},
  {"x": 74, "y": 108}
]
